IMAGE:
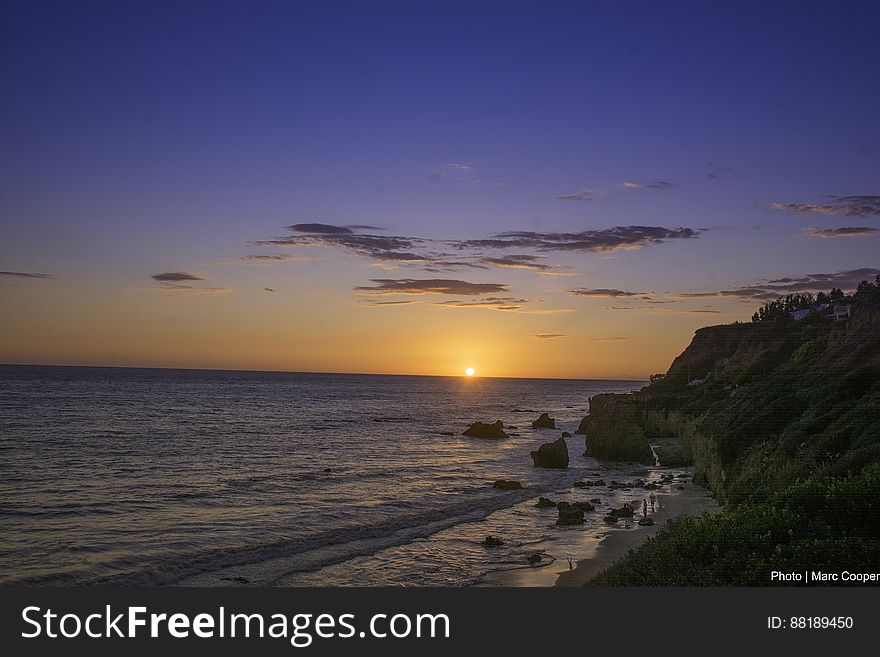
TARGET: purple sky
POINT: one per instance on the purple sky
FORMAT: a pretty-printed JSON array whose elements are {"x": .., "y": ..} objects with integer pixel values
[{"x": 650, "y": 149}]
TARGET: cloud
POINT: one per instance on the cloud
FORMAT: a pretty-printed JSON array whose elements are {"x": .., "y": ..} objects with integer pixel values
[
  {"x": 321, "y": 229},
  {"x": 183, "y": 288},
  {"x": 403, "y": 250},
  {"x": 848, "y": 206},
  {"x": 654, "y": 184},
  {"x": 530, "y": 262},
  {"x": 179, "y": 282},
  {"x": 848, "y": 231},
  {"x": 373, "y": 303},
  {"x": 587, "y": 241},
  {"x": 583, "y": 195},
  {"x": 430, "y": 286},
  {"x": 269, "y": 289},
  {"x": 270, "y": 258},
  {"x": 460, "y": 172},
  {"x": 774, "y": 288},
  {"x": 592, "y": 195},
  {"x": 847, "y": 279},
  {"x": 387, "y": 248},
  {"x": 717, "y": 171},
  {"x": 440, "y": 264},
  {"x": 517, "y": 262},
  {"x": 744, "y": 292},
  {"x": 489, "y": 303},
  {"x": 605, "y": 293},
  {"x": 24, "y": 274},
  {"x": 176, "y": 276},
  {"x": 548, "y": 336},
  {"x": 265, "y": 259}
]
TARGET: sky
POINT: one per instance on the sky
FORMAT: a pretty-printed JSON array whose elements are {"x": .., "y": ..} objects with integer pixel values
[{"x": 531, "y": 189}]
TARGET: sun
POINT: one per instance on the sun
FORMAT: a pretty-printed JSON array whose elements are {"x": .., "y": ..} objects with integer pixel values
[{"x": 470, "y": 371}]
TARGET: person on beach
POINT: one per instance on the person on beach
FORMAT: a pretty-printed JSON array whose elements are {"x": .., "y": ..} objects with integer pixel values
[
  {"x": 644, "y": 508},
  {"x": 653, "y": 499}
]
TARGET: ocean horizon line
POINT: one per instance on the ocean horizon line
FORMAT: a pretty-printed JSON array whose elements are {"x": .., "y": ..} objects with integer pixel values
[{"x": 316, "y": 372}]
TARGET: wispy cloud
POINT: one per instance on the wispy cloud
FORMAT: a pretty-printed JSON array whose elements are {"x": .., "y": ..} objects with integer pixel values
[
  {"x": 517, "y": 262},
  {"x": 594, "y": 194},
  {"x": 428, "y": 254},
  {"x": 605, "y": 293},
  {"x": 587, "y": 241},
  {"x": 386, "y": 248},
  {"x": 269, "y": 289},
  {"x": 24, "y": 274},
  {"x": 174, "y": 282},
  {"x": 508, "y": 304},
  {"x": 774, "y": 288},
  {"x": 583, "y": 195},
  {"x": 548, "y": 336},
  {"x": 176, "y": 276},
  {"x": 742, "y": 292},
  {"x": 654, "y": 184},
  {"x": 848, "y": 206},
  {"x": 175, "y": 288},
  {"x": 848, "y": 231},
  {"x": 430, "y": 286},
  {"x": 270, "y": 258},
  {"x": 379, "y": 304},
  {"x": 459, "y": 172}
]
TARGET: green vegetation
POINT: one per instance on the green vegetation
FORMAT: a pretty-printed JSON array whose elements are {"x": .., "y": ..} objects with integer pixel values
[
  {"x": 782, "y": 419},
  {"x": 819, "y": 524}
]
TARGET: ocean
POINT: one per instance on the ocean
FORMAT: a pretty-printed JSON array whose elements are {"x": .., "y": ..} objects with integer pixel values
[{"x": 113, "y": 476}]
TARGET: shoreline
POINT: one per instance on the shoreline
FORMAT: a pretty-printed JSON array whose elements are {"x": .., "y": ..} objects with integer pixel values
[
  {"x": 694, "y": 500},
  {"x": 598, "y": 552}
]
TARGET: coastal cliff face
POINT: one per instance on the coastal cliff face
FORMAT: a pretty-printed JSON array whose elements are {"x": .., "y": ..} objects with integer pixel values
[
  {"x": 782, "y": 420},
  {"x": 616, "y": 429},
  {"x": 756, "y": 407}
]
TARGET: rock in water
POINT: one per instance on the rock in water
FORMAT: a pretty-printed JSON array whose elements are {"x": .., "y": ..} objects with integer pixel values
[
  {"x": 646, "y": 522},
  {"x": 485, "y": 430},
  {"x": 507, "y": 484},
  {"x": 565, "y": 434},
  {"x": 544, "y": 422},
  {"x": 493, "y": 541},
  {"x": 570, "y": 514},
  {"x": 545, "y": 503},
  {"x": 535, "y": 558},
  {"x": 626, "y": 511},
  {"x": 551, "y": 455}
]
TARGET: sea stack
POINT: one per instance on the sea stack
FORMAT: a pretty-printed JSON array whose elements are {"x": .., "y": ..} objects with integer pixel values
[
  {"x": 485, "y": 430},
  {"x": 551, "y": 455},
  {"x": 544, "y": 422}
]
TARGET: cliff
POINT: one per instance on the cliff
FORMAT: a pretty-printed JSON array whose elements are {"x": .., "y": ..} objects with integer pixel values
[
  {"x": 757, "y": 406},
  {"x": 782, "y": 420}
]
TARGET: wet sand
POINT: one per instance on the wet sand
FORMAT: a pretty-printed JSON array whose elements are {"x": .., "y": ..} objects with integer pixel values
[
  {"x": 598, "y": 552},
  {"x": 692, "y": 501}
]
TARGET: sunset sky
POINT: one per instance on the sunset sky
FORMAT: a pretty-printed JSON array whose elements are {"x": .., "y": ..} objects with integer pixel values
[{"x": 538, "y": 189}]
